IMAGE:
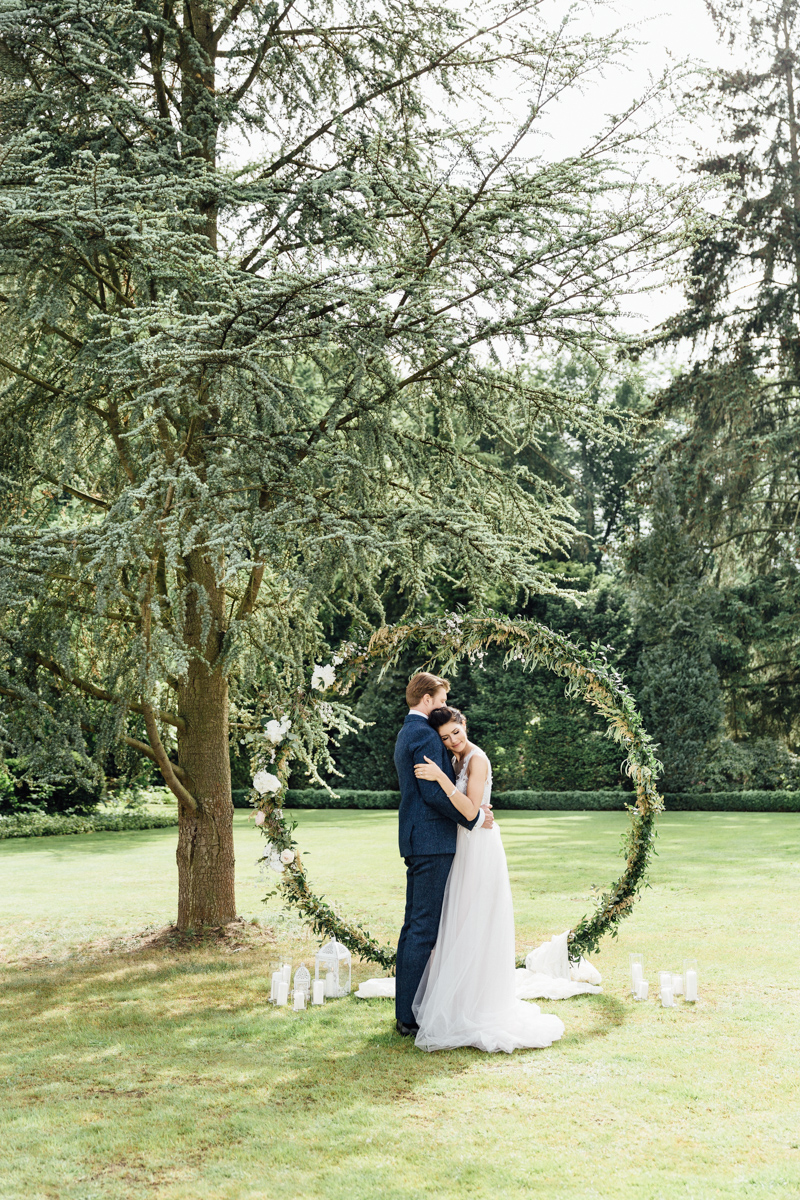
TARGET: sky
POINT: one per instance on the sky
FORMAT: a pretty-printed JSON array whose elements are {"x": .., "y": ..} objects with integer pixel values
[{"x": 670, "y": 31}]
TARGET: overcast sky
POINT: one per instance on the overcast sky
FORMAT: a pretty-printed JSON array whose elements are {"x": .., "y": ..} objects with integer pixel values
[{"x": 670, "y": 30}]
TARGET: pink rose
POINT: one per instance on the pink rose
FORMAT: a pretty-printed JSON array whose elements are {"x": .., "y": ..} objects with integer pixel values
[{"x": 260, "y": 818}]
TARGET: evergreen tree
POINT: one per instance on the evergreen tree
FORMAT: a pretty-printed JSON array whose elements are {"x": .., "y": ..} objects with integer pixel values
[
  {"x": 232, "y": 386},
  {"x": 679, "y": 688},
  {"x": 735, "y": 459},
  {"x": 734, "y": 414}
]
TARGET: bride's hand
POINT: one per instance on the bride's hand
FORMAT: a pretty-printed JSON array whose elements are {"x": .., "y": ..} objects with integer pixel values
[{"x": 428, "y": 770}]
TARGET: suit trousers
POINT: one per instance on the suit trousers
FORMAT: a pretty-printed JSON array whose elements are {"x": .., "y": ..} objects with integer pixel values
[{"x": 426, "y": 879}]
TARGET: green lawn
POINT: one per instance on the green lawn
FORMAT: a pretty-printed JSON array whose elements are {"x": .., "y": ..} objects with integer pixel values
[{"x": 161, "y": 1073}]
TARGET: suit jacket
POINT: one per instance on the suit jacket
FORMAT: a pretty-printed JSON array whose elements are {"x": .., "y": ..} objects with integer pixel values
[{"x": 427, "y": 818}]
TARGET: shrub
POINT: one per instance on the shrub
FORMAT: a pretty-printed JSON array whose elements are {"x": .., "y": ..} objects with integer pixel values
[
  {"x": 41, "y": 824},
  {"x": 611, "y": 800},
  {"x": 19, "y": 794}
]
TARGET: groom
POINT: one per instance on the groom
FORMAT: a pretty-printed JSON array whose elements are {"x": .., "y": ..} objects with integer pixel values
[{"x": 427, "y": 838}]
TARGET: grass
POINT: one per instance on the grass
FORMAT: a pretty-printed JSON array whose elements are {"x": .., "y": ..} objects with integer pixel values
[{"x": 135, "y": 1070}]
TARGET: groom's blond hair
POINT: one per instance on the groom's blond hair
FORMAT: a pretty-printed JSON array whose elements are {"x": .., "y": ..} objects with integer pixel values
[{"x": 424, "y": 684}]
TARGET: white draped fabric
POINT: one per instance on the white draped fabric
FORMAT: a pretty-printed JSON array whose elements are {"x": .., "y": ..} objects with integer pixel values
[{"x": 547, "y": 974}]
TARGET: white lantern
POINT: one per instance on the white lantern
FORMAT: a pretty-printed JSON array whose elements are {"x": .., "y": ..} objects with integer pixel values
[
  {"x": 302, "y": 983},
  {"x": 332, "y": 963}
]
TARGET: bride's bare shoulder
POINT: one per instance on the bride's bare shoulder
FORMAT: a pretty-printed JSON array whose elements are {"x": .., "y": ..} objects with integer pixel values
[{"x": 478, "y": 759}]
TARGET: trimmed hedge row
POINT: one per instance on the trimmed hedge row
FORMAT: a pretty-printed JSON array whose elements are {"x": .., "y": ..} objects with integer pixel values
[
  {"x": 611, "y": 800},
  {"x": 777, "y": 801},
  {"x": 40, "y": 824}
]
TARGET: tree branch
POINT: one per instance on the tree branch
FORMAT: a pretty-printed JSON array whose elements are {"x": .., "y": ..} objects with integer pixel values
[
  {"x": 98, "y": 500},
  {"x": 391, "y": 86},
  {"x": 91, "y": 689},
  {"x": 166, "y": 767}
]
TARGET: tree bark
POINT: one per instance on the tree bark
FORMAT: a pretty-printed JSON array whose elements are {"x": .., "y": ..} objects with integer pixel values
[{"x": 206, "y": 887}]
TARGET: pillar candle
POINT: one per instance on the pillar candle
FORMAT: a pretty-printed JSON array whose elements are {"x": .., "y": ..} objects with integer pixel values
[
  {"x": 667, "y": 1000},
  {"x": 277, "y": 976},
  {"x": 636, "y": 976},
  {"x": 644, "y": 988},
  {"x": 318, "y": 994},
  {"x": 677, "y": 985},
  {"x": 330, "y": 984},
  {"x": 299, "y": 999},
  {"x": 691, "y": 985},
  {"x": 282, "y": 992},
  {"x": 287, "y": 973},
  {"x": 664, "y": 979}
]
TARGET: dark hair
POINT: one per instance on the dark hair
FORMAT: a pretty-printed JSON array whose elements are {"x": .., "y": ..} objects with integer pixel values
[{"x": 443, "y": 716}]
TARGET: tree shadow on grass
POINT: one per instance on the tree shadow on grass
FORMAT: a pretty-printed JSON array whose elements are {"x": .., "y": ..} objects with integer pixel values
[{"x": 146, "y": 1044}]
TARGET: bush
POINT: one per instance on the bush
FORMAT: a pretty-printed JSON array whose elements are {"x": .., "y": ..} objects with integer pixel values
[
  {"x": 757, "y": 765},
  {"x": 764, "y": 801},
  {"x": 346, "y": 798},
  {"x": 609, "y": 800},
  {"x": 40, "y": 824},
  {"x": 20, "y": 795}
]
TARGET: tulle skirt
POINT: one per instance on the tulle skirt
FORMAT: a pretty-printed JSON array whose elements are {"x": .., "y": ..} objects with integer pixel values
[{"x": 467, "y": 994}]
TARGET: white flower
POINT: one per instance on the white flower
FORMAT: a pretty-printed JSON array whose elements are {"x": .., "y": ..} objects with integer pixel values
[
  {"x": 263, "y": 782},
  {"x": 323, "y": 678},
  {"x": 276, "y": 731},
  {"x": 273, "y": 859},
  {"x": 287, "y": 856},
  {"x": 260, "y": 818}
]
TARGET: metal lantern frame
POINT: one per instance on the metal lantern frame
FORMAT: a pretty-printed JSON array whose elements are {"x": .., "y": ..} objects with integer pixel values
[
  {"x": 302, "y": 982},
  {"x": 334, "y": 958}
]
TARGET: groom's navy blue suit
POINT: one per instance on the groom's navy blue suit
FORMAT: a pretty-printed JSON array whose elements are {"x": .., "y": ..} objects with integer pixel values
[{"x": 427, "y": 842}]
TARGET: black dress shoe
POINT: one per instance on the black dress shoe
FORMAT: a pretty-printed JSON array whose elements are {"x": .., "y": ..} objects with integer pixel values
[{"x": 406, "y": 1030}]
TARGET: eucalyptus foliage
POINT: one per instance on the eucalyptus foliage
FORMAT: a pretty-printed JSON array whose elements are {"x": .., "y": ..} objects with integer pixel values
[{"x": 268, "y": 275}]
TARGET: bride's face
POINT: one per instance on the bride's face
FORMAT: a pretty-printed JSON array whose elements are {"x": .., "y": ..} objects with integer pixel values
[{"x": 454, "y": 737}]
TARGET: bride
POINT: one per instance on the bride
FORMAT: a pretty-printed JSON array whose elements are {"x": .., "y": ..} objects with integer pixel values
[{"x": 466, "y": 996}]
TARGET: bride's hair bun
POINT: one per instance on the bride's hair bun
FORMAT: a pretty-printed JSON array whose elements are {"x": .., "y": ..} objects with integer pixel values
[{"x": 443, "y": 716}]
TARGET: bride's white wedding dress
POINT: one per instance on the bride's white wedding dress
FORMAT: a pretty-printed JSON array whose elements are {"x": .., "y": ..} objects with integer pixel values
[{"x": 467, "y": 995}]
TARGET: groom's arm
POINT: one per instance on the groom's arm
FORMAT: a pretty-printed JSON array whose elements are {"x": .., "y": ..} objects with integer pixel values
[{"x": 431, "y": 745}]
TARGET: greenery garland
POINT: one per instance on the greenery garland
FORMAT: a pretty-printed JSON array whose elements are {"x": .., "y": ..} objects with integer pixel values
[{"x": 442, "y": 643}]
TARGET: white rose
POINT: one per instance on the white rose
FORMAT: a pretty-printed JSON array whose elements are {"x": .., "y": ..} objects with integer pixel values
[
  {"x": 260, "y": 818},
  {"x": 276, "y": 730},
  {"x": 263, "y": 782},
  {"x": 287, "y": 856},
  {"x": 323, "y": 678}
]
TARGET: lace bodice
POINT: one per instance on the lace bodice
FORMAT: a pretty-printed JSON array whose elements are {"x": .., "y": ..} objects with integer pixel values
[{"x": 461, "y": 778}]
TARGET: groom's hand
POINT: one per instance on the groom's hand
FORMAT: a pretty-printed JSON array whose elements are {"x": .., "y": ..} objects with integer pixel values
[{"x": 488, "y": 819}]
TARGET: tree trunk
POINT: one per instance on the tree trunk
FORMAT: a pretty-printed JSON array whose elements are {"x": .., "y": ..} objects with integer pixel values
[
  {"x": 206, "y": 892},
  {"x": 205, "y": 855}
]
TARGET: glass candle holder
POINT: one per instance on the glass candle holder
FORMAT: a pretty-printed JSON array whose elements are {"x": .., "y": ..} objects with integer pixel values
[
  {"x": 637, "y": 971},
  {"x": 690, "y": 980}
]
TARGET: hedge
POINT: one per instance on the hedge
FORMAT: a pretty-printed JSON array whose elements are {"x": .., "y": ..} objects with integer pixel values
[
  {"x": 777, "y": 801},
  {"x": 39, "y": 824},
  {"x": 611, "y": 800}
]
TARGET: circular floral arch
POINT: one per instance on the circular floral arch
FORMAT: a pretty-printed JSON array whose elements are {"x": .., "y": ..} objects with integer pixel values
[{"x": 441, "y": 644}]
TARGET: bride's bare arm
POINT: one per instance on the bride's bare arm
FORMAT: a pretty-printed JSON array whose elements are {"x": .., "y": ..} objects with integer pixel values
[{"x": 468, "y": 805}]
